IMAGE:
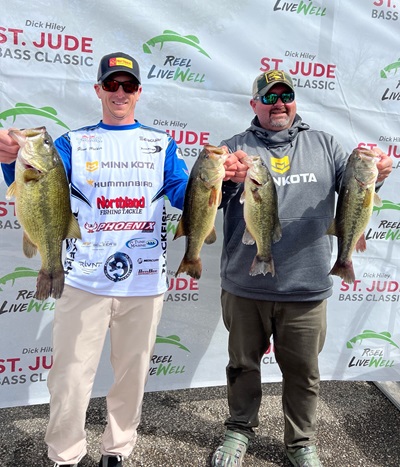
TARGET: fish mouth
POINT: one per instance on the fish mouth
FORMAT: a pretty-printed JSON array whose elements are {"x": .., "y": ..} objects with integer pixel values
[
  {"x": 27, "y": 165},
  {"x": 30, "y": 167},
  {"x": 366, "y": 182},
  {"x": 368, "y": 154},
  {"x": 250, "y": 160},
  {"x": 256, "y": 182}
]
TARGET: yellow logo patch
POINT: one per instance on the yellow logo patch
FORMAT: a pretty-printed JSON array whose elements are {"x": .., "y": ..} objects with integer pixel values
[
  {"x": 120, "y": 61},
  {"x": 280, "y": 165},
  {"x": 92, "y": 166}
]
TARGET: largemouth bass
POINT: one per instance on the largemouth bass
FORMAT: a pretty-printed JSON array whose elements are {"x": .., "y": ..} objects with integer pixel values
[
  {"x": 43, "y": 206},
  {"x": 202, "y": 198},
  {"x": 354, "y": 207},
  {"x": 260, "y": 210}
]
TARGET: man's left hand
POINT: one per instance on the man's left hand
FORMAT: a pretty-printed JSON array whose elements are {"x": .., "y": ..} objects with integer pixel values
[{"x": 384, "y": 166}]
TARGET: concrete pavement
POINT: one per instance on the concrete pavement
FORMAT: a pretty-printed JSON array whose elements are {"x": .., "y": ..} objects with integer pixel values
[{"x": 358, "y": 426}]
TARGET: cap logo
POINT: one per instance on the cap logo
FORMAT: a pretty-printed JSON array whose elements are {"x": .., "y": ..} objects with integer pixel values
[
  {"x": 120, "y": 61},
  {"x": 275, "y": 75}
]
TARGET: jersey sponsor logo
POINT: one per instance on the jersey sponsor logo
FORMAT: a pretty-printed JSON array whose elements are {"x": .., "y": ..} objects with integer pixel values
[
  {"x": 90, "y": 139},
  {"x": 89, "y": 148},
  {"x": 99, "y": 245},
  {"x": 118, "y": 183},
  {"x": 120, "y": 205},
  {"x": 120, "y": 202},
  {"x": 147, "y": 260},
  {"x": 92, "y": 166},
  {"x": 142, "y": 243},
  {"x": 147, "y": 272},
  {"x": 88, "y": 267},
  {"x": 127, "y": 165},
  {"x": 142, "y": 226},
  {"x": 118, "y": 267},
  {"x": 149, "y": 140},
  {"x": 280, "y": 165},
  {"x": 152, "y": 150},
  {"x": 295, "y": 179}
]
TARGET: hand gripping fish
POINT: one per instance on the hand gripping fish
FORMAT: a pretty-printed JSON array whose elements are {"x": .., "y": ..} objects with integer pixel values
[
  {"x": 354, "y": 207},
  {"x": 43, "y": 206},
  {"x": 202, "y": 198}
]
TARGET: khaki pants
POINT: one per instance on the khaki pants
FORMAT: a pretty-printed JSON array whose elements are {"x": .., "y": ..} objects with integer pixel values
[
  {"x": 80, "y": 325},
  {"x": 299, "y": 330}
]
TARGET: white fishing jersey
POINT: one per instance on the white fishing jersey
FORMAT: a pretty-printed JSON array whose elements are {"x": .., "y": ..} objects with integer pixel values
[{"x": 115, "y": 172}]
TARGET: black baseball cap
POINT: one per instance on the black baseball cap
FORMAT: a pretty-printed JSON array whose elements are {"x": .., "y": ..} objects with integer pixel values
[{"x": 117, "y": 62}]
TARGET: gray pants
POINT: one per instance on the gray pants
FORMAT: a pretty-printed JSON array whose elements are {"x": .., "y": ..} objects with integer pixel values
[{"x": 298, "y": 330}]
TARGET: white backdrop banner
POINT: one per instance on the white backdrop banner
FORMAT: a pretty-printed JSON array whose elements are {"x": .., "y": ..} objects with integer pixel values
[{"x": 198, "y": 61}]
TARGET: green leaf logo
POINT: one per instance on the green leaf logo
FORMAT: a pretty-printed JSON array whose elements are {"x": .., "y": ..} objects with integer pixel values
[
  {"x": 172, "y": 36},
  {"x": 368, "y": 334},
  {"x": 18, "y": 273},
  {"x": 27, "y": 109},
  {"x": 172, "y": 340}
]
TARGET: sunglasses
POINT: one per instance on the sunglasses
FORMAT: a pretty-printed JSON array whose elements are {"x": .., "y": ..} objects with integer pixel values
[
  {"x": 272, "y": 98},
  {"x": 113, "y": 85}
]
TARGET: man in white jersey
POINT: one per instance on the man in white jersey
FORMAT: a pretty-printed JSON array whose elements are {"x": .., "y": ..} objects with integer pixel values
[{"x": 115, "y": 168}]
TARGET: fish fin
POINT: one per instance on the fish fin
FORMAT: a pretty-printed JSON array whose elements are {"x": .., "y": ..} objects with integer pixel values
[
  {"x": 49, "y": 284},
  {"x": 242, "y": 197},
  {"x": 361, "y": 244},
  {"x": 28, "y": 247},
  {"x": 247, "y": 238},
  {"x": 332, "y": 228},
  {"x": 219, "y": 197},
  {"x": 377, "y": 201},
  {"x": 277, "y": 233},
  {"x": 180, "y": 230},
  {"x": 192, "y": 267},
  {"x": 214, "y": 197},
  {"x": 11, "y": 191},
  {"x": 344, "y": 270},
  {"x": 211, "y": 237},
  {"x": 74, "y": 230},
  {"x": 263, "y": 266}
]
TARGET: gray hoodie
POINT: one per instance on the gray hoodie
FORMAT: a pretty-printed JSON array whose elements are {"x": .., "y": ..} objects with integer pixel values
[{"x": 307, "y": 166}]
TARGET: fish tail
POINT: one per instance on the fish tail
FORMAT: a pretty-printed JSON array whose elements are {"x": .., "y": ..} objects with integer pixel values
[
  {"x": 192, "y": 267},
  {"x": 262, "y": 265},
  {"x": 49, "y": 284},
  {"x": 344, "y": 269}
]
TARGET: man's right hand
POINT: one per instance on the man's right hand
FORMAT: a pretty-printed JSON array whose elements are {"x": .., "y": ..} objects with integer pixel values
[
  {"x": 235, "y": 169},
  {"x": 8, "y": 148}
]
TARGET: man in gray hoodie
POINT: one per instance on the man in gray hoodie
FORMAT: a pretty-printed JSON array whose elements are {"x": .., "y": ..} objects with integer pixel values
[{"x": 307, "y": 167}]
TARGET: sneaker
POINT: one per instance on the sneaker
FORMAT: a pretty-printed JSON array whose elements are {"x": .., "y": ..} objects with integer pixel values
[
  {"x": 231, "y": 451},
  {"x": 304, "y": 457},
  {"x": 110, "y": 461}
]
